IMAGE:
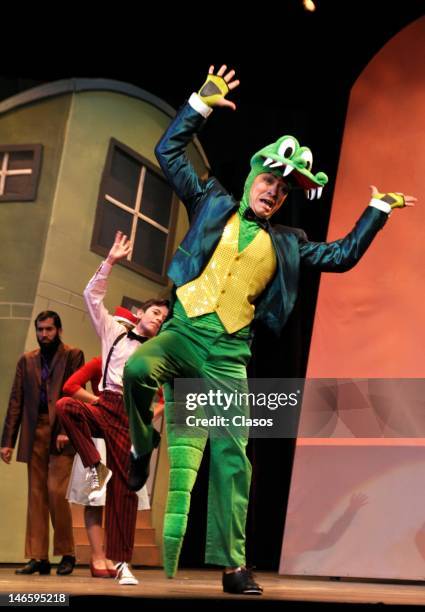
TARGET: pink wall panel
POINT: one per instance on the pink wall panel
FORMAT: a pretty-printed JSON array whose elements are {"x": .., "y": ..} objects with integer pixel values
[{"x": 357, "y": 508}]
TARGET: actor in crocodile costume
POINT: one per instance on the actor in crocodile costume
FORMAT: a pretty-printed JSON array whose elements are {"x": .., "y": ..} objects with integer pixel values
[{"x": 232, "y": 269}]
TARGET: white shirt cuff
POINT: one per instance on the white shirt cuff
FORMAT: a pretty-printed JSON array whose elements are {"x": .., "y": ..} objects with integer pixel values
[
  {"x": 384, "y": 206},
  {"x": 197, "y": 104}
]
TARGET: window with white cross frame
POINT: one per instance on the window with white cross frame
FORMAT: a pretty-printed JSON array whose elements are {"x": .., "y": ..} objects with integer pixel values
[
  {"x": 135, "y": 198},
  {"x": 19, "y": 172}
]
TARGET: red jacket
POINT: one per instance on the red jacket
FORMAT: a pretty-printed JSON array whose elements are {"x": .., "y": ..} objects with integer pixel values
[{"x": 90, "y": 372}]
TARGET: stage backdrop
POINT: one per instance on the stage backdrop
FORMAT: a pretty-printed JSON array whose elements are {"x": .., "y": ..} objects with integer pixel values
[{"x": 357, "y": 504}]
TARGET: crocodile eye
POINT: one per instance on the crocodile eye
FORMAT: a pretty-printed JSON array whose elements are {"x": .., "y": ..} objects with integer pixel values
[
  {"x": 287, "y": 148},
  {"x": 307, "y": 156}
]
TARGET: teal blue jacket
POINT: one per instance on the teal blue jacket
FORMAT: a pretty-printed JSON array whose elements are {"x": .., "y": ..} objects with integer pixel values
[{"x": 209, "y": 206}]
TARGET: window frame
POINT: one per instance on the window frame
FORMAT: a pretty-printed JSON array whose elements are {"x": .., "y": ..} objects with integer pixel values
[
  {"x": 31, "y": 194},
  {"x": 101, "y": 250}
]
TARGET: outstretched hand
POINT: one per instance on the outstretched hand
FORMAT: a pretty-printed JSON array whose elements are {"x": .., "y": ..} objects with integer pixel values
[
  {"x": 217, "y": 86},
  {"x": 120, "y": 249},
  {"x": 394, "y": 199}
]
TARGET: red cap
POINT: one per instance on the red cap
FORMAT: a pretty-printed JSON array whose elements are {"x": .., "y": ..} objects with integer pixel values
[{"x": 123, "y": 315}]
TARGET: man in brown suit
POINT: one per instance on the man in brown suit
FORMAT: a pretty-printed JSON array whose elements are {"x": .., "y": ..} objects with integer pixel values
[{"x": 38, "y": 383}]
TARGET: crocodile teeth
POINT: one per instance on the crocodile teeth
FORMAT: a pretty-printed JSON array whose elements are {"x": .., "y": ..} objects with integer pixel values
[
  {"x": 319, "y": 192},
  {"x": 268, "y": 161},
  {"x": 276, "y": 164},
  {"x": 313, "y": 194},
  {"x": 288, "y": 170},
  {"x": 307, "y": 193}
]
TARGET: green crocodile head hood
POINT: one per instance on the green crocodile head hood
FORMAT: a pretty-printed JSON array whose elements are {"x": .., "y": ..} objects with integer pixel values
[{"x": 287, "y": 159}]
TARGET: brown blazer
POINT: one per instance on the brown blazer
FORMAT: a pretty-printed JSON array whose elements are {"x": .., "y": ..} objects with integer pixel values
[{"x": 25, "y": 397}]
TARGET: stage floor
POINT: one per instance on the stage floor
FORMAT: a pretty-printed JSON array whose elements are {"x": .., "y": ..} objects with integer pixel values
[{"x": 205, "y": 585}]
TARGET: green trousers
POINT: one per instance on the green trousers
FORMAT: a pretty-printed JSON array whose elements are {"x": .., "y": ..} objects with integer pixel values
[{"x": 183, "y": 351}]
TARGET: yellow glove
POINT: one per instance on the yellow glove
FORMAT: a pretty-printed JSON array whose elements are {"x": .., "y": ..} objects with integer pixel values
[
  {"x": 395, "y": 200},
  {"x": 214, "y": 88}
]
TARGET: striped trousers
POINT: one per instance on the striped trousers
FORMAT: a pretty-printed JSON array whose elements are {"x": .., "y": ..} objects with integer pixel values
[{"x": 107, "y": 419}]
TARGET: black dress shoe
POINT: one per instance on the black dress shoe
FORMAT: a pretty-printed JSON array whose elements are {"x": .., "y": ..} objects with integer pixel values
[
  {"x": 139, "y": 471},
  {"x": 43, "y": 567},
  {"x": 241, "y": 582},
  {"x": 66, "y": 565}
]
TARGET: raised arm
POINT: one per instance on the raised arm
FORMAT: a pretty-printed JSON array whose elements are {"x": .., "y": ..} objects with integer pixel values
[
  {"x": 171, "y": 149},
  {"x": 95, "y": 291}
]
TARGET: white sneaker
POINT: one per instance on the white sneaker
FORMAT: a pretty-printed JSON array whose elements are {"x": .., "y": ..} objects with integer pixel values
[
  {"x": 98, "y": 478},
  {"x": 124, "y": 575}
]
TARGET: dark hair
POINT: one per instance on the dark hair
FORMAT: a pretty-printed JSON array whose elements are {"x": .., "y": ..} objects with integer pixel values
[
  {"x": 49, "y": 314},
  {"x": 154, "y": 302}
]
